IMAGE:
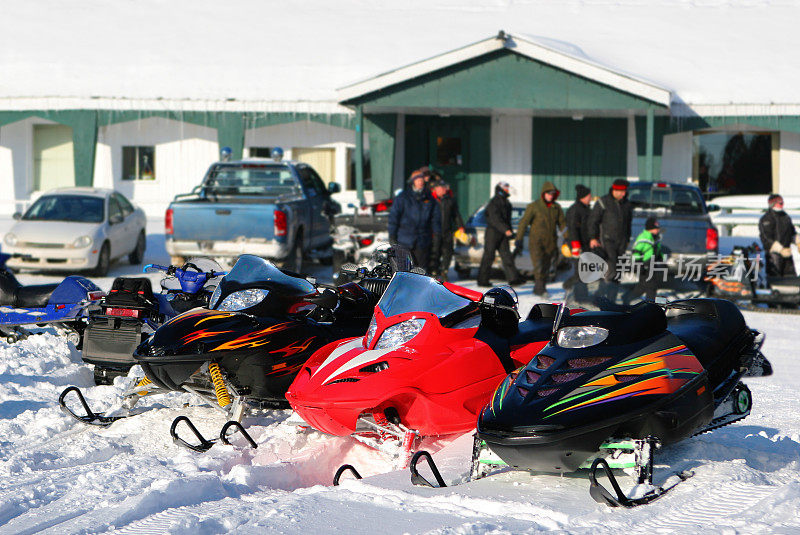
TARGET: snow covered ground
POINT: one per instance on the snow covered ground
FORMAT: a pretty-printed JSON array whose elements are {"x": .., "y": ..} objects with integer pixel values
[{"x": 58, "y": 476}]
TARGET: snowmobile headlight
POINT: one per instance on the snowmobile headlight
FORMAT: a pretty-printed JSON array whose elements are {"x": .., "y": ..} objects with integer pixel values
[
  {"x": 373, "y": 326},
  {"x": 577, "y": 337},
  {"x": 399, "y": 333},
  {"x": 82, "y": 242},
  {"x": 243, "y": 299},
  {"x": 11, "y": 239},
  {"x": 214, "y": 297}
]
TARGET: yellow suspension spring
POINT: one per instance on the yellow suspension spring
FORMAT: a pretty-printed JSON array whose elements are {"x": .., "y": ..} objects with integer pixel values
[
  {"x": 223, "y": 398},
  {"x": 144, "y": 382}
]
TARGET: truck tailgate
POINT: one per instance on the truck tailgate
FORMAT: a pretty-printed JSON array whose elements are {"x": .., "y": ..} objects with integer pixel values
[{"x": 216, "y": 221}]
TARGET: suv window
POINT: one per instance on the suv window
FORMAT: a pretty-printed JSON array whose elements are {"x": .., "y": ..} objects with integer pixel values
[{"x": 677, "y": 200}]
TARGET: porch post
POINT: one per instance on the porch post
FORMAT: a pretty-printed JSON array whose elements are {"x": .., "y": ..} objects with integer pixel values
[
  {"x": 648, "y": 160},
  {"x": 360, "y": 153}
]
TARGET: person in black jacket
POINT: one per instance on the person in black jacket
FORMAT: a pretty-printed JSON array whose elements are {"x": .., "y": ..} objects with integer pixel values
[
  {"x": 777, "y": 233},
  {"x": 578, "y": 238},
  {"x": 442, "y": 251},
  {"x": 498, "y": 237},
  {"x": 610, "y": 231},
  {"x": 415, "y": 219}
]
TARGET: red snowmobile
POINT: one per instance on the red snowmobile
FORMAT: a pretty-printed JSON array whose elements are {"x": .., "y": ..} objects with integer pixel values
[{"x": 432, "y": 356}]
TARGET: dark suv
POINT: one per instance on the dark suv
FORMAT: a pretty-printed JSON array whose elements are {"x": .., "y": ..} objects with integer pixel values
[{"x": 687, "y": 230}]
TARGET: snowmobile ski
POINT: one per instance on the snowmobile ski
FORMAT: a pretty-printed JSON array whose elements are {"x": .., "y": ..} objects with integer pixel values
[
  {"x": 342, "y": 469},
  {"x": 90, "y": 417},
  {"x": 204, "y": 443},
  {"x": 417, "y": 479},
  {"x": 619, "y": 499}
]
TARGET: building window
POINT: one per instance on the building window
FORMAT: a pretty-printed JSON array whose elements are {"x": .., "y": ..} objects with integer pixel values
[
  {"x": 260, "y": 152},
  {"x": 448, "y": 151},
  {"x": 138, "y": 163},
  {"x": 734, "y": 163}
]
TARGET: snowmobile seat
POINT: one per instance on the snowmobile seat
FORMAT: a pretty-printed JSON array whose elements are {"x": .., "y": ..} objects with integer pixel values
[
  {"x": 12, "y": 293},
  {"x": 714, "y": 332},
  {"x": 134, "y": 292}
]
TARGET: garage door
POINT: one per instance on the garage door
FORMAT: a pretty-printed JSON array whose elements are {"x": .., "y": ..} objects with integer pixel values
[
  {"x": 322, "y": 160},
  {"x": 53, "y": 164}
]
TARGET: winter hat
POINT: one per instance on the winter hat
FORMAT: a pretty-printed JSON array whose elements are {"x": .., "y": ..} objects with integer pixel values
[
  {"x": 773, "y": 198},
  {"x": 581, "y": 191},
  {"x": 620, "y": 184},
  {"x": 651, "y": 223},
  {"x": 502, "y": 188}
]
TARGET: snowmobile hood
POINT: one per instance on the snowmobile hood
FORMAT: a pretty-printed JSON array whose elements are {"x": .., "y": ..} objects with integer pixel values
[
  {"x": 570, "y": 388},
  {"x": 203, "y": 331}
]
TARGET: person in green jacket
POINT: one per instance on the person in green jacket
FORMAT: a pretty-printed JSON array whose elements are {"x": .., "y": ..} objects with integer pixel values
[
  {"x": 545, "y": 217},
  {"x": 646, "y": 251}
]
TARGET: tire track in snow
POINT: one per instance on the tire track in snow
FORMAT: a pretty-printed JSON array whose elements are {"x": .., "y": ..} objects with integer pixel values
[{"x": 726, "y": 502}]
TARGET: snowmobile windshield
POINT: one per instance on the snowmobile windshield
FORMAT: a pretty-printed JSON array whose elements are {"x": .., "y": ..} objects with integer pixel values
[
  {"x": 410, "y": 292},
  {"x": 253, "y": 270}
]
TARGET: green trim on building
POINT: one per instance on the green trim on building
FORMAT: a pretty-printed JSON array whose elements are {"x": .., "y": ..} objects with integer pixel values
[
  {"x": 381, "y": 131},
  {"x": 567, "y": 152},
  {"x": 659, "y": 129},
  {"x": 503, "y": 80}
]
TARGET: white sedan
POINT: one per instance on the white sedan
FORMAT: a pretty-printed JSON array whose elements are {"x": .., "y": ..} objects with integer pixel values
[{"x": 73, "y": 229}]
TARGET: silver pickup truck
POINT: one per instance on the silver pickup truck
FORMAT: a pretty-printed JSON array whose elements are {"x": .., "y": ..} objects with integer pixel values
[{"x": 280, "y": 210}]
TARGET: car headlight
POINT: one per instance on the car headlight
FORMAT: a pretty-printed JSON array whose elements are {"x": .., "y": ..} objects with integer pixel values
[
  {"x": 399, "y": 333},
  {"x": 242, "y": 299},
  {"x": 577, "y": 337},
  {"x": 214, "y": 297},
  {"x": 373, "y": 326},
  {"x": 82, "y": 242},
  {"x": 11, "y": 239}
]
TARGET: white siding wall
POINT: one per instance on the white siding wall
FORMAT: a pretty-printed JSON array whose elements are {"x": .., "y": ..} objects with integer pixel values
[
  {"x": 676, "y": 159},
  {"x": 183, "y": 153},
  {"x": 16, "y": 164},
  {"x": 789, "y": 164},
  {"x": 512, "y": 147},
  {"x": 309, "y": 134}
]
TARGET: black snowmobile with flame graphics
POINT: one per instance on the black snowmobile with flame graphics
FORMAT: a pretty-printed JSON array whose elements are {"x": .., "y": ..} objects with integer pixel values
[{"x": 243, "y": 352}]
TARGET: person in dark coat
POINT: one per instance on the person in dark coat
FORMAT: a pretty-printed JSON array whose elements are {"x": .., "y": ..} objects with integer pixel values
[
  {"x": 578, "y": 238},
  {"x": 545, "y": 218},
  {"x": 777, "y": 233},
  {"x": 415, "y": 219},
  {"x": 442, "y": 251},
  {"x": 610, "y": 231},
  {"x": 498, "y": 236}
]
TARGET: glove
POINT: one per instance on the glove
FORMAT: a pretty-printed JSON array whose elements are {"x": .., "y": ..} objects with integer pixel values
[
  {"x": 461, "y": 236},
  {"x": 776, "y": 248},
  {"x": 576, "y": 248},
  {"x": 786, "y": 252},
  {"x": 566, "y": 251}
]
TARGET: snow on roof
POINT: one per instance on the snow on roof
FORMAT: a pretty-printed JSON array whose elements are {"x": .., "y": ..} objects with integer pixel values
[{"x": 711, "y": 52}]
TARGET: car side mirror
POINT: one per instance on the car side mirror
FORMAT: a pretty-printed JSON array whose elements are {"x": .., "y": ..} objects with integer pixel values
[
  {"x": 115, "y": 219},
  {"x": 17, "y": 216},
  {"x": 334, "y": 187}
]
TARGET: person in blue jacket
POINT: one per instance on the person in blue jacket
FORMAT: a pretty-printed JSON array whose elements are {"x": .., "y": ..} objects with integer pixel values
[{"x": 415, "y": 218}]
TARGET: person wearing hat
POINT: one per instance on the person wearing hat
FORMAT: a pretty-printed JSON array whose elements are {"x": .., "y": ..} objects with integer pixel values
[
  {"x": 610, "y": 231},
  {"x": 578, "y": 238},
  {"x": 545, "y": 218},
  {"x": 646, "y": 251},
  {"x": 777, "y": 233},
  {"x": 415, "y": 219},
  {"x": 497, "y": 237},
  {"x": 442, "y": 250}
]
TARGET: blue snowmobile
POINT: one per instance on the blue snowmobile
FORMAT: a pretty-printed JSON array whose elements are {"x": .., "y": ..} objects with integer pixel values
[
  {"x": 62, "y": 306},
  {"x": 131, "y": 312}
]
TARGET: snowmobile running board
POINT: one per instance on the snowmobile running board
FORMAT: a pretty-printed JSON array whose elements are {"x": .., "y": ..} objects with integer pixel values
[
  {"x": 417, "y": 479},
  {"x": 206, "y": 444},
  {"x": 90, "y": 417},
  {"x": 342, "y": 469},
  {"x": 601, "y": 495}
]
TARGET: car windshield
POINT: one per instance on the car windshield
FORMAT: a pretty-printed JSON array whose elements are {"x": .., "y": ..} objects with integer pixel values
[
  {"x": 253, "y": 269},
  {"x": 72, "y": 208},
  {"x": 478, "y": 219},
  {"x": 411, "y": 292},
  {"x": 251, "y": 179},
  {"x": 675, "y": 200}
]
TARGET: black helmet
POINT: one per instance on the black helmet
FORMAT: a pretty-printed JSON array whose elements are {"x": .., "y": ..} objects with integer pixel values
[{"x": 500, "y": 311}]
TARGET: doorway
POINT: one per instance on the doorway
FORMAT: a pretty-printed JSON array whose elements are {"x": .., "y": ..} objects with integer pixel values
[{"x": 53, "y": 160}]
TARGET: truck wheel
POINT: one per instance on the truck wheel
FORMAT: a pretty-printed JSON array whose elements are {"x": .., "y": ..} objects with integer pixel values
[
  {"x": 103, "y": 261},
  {"x": 137, "y": 255},
  {"x": 294, "y": 260}
]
